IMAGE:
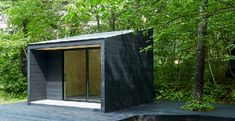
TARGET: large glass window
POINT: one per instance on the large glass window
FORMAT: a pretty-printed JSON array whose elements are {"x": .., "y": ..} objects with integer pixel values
[{"x": 82, "y": 75}]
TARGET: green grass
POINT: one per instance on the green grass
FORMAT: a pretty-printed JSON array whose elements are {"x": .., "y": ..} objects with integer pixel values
[{"x": 7, "y": 99}]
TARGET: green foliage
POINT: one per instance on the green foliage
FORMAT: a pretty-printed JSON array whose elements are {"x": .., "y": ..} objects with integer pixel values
[
  {"x": 194, "y": 105},
  {"x": 175, "y": 36},
  {"x": 12, "y": 82},
  {"x": 171, "y": 91},
  {"x": 36, "y": 20},
  {"x": 213, "y": 93},
  {"x": 165, "y": 91},
  {"x": 6, "y": 98},
  {"x": 233, "y": 95},
  {"x": 174, "y": 22}
]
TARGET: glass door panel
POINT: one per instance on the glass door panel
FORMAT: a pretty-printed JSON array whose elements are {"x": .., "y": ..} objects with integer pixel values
[
  {"x": 82, "y": 75},
  {"x": 75, "y": 75},
  {"x": 94, "y": 75}
]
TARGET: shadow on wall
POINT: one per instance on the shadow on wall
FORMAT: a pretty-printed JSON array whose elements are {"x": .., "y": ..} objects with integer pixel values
[
  {"x": 130, "y": 80},
  {"x": 40, "y": 59}
]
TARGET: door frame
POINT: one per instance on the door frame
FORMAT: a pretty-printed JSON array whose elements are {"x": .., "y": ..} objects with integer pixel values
[{"x": 87, "y": 75}]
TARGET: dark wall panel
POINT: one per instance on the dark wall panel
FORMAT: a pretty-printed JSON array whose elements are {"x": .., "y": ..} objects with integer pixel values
[
  {"x": 37, "y": 75},
  {"x": 54, "y": 75},
  {"x": 129, "y": 72},
  {"x": 45, "y": 75}
]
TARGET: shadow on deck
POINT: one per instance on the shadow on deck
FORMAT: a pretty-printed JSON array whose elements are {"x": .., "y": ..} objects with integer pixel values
[{"x": 23, "y": 112}]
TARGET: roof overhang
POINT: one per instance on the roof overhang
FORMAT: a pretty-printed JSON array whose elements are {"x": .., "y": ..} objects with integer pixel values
[
  {"x": 70, "y": 47},
  {"x": 85, "y": 37}
]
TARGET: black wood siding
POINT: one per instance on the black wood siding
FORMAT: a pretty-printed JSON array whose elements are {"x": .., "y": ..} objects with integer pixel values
[
  {"x": 37, "y": 89},
  {"x": 128, "y": 73},
  {"x": 54, "y": 75},
  {"x": 46, "y": 75}
]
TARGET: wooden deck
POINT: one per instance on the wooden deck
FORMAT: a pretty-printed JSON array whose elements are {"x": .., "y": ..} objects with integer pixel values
[{"x": 23, "y": 112}]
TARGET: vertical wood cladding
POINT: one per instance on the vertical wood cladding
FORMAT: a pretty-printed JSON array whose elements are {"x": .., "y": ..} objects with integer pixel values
[{"x": 128, "y": 72}]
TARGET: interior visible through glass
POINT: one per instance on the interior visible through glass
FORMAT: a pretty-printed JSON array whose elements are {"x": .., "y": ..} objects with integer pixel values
[
  {"x": 82, "y": 75},
  {"x": 94, "y": 75}
]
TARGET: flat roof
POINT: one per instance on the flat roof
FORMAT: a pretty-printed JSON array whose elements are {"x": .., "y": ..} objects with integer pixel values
[
  {"x": 70, "y": 47},
  {"x": 94, "y": 36}
]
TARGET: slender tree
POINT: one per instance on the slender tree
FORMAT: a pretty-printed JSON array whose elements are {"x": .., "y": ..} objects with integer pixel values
[{"x": 200, "y": 57}]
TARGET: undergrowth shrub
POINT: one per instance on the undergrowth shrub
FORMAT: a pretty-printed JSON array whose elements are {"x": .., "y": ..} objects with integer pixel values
[
  {"x": 165, "y": 91},
  {"x": 12, "y": 81},
  {"x": 194, "y": 105},
  {"x": 211, "y": 92}
]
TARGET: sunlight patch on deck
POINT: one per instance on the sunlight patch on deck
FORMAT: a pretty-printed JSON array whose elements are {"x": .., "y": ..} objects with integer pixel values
[{"x": 69, "y": 103}]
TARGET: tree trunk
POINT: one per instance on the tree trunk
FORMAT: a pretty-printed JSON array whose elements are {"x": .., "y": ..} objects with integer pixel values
[
  {"x": 98, "y": 22},
  {"x": 200, "y": 58},
  {"x": 23, "y": 58},
  {"x": 24, "y": 26},
  {"x": 23, "y": 61},
  {"x": 112, "y": 21}
]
